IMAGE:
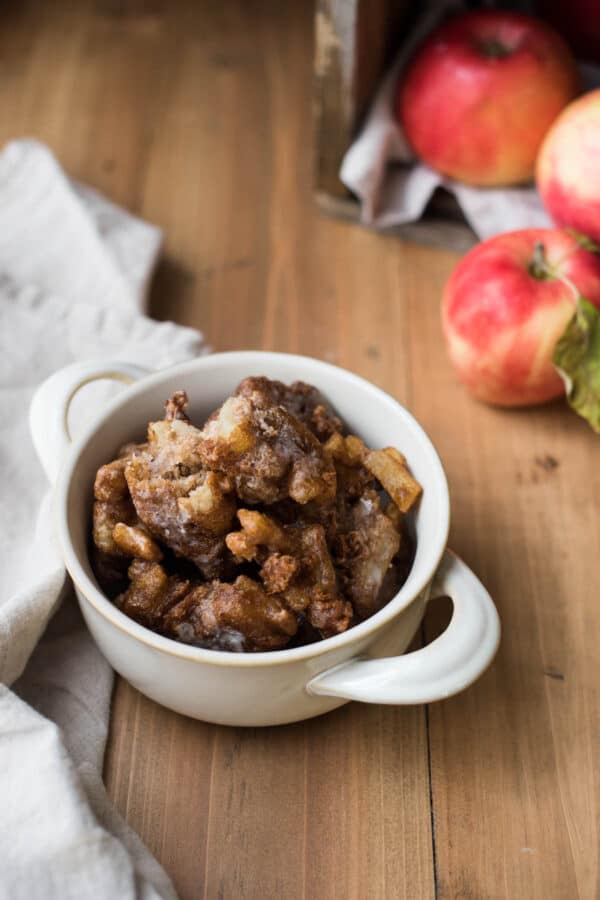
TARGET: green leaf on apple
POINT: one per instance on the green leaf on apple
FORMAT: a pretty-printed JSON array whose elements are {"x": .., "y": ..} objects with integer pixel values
[
  {"x": 583, "y": 240},
  {"x": 577, "y": 358}
]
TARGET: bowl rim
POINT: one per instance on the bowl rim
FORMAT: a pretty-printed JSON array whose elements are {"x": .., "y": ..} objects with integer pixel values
[{"x": 88, "y": 590}]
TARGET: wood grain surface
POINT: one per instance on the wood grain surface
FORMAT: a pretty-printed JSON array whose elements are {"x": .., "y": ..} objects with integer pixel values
[{"x": 197, "y": 116}]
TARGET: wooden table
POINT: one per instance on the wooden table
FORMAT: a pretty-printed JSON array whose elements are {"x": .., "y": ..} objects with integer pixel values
[{"x": 198, "y": 117}]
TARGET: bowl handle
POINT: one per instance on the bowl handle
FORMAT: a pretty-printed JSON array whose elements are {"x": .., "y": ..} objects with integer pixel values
[
  {"x": 442, "y": 668},
  {"x": 49, "y": 410}
]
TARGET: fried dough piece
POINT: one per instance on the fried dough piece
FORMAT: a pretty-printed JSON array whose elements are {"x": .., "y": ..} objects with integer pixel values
[
  {"x": 364, "y": 551},
  {"x": 112, "y": 501},
  {"x": 176, "y": 406},
  {"x": 302, "y": 400},
  {"x": 331, "y": 551},
  {"x": 241, "y": 616},
  {"x": 117, "y": 532},
  {"x": 296, "y": 565},
  {"x": 352, "y": 477},
  {"x": 352, "y": 481},
  {"x": 151, "y": 593},
  {"x": 289, "y": 513},
  {"x": 110, "y": 571},
  {"x": 368, "y": 538},
  {"x": 110, "y": 483},
  {"x": 268, "y": 453},
  {"x": 179, "y": 501},
  {"x": 112, "y": 504},
  {"x": 390, "y": 469},
  {"x": 133, "y": 541},
  {"x": 388, "y": 466}
]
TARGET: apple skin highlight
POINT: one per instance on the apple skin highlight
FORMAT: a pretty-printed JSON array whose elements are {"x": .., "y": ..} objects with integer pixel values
[
  {"x": 501, "y": 322},
  {"x": 568, "y": 167},
  {"x": 482, "y": 91}
]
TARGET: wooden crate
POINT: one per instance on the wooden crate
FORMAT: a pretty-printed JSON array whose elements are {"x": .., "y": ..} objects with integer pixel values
[{"x": 355, "y": 41}]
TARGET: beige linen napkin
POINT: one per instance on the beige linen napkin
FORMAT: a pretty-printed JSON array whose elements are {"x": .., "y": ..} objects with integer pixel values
[{"x": 74, "y": 270}]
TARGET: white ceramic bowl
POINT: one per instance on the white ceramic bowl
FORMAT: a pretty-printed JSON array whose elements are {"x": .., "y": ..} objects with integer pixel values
[{"x": 364, "y": 663}]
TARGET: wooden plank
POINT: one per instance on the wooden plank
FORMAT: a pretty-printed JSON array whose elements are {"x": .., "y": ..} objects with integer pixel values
[
  {"x": 159, "y": 773},
  {"x": 434, "y": 229},
  {"x": 516, "y": 772},
  {"x": 199, "y": 118},
  {"x": 266, "y": 278},
  {"x": 354, "y": 42}
]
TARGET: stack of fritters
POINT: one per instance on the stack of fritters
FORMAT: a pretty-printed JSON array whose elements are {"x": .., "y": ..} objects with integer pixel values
[{"x": 269, "y": 527}]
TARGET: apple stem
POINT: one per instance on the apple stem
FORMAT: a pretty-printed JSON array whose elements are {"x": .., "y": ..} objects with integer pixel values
[
  {"x": 493, "y": 48},
  {"x": 539, "y": 266},
  {"x": 541, "y": 269}
]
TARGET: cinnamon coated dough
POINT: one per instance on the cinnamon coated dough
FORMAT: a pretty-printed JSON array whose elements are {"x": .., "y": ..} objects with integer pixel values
[
  {"x": 183, "y": 504},
  {"x": 266, "y": 528}
]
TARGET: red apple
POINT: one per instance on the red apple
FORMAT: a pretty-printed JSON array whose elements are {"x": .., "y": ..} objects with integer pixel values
[
  {"x": 502, "y": 314},
  {"x": 479, "y": 96},
  {"x": 568, "y": 167}
]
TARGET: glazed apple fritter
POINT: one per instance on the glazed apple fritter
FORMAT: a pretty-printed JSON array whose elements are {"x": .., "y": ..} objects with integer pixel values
[
  {"x": 118, "y": 533},
  {"x": 268, "y": 453},
  {"x": 188, "y": 507},
  {"x": 388, "y": 466},
  {"x": 368, "y": 537},
  {"x": 295, "y": 564},
  {"x": 238, "y": 616},
  {"x": 266, "y": 528},
  {"x": 151, "y": 592},
  {"x": 302, "y": 400}
]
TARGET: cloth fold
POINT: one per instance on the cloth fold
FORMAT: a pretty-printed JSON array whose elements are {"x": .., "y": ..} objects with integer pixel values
[{"x": 74, "y": 272}]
